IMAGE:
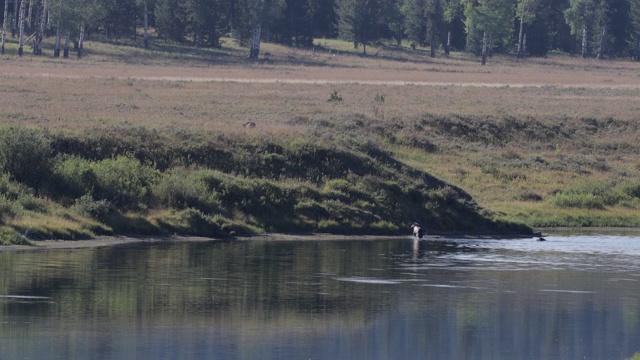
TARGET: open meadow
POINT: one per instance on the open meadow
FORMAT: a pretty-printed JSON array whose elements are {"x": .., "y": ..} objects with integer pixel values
[{"x": 542, "y": 141}]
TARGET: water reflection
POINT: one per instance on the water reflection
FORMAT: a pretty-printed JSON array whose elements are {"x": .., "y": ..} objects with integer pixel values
[{"x": 375, "y": 299}]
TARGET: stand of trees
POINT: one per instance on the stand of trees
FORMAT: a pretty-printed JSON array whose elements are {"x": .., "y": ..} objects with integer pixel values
[{"x": 592, "y": 28}]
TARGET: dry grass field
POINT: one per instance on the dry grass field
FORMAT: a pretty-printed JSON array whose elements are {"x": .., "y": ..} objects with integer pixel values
[
  {"x": 106, "y": 89},
  {"x": 397, "y": 95}
]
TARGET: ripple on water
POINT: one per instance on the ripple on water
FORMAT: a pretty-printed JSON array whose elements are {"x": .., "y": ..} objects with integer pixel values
[{"x": 364, "y": 280}]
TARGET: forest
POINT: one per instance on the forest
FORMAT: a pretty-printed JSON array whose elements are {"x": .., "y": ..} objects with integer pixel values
[{"x": 590, "y": 28}]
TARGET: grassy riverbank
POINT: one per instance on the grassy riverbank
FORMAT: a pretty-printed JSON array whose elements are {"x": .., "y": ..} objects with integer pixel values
[
  {"x": 152, "y": 142},
  {"x": 136, "y": 181}
]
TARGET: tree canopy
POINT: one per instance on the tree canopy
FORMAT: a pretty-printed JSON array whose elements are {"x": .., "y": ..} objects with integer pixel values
[{"x": 603, "y": 28}]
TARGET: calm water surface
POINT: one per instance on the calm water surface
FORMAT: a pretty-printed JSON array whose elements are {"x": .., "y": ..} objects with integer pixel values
[{"x": 571, "y": 297}]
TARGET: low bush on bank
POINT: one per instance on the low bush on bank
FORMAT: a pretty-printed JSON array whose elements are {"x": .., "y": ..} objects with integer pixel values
[
  {"x": 218, "y": 186},
  {"x": 598, "y": 195}
]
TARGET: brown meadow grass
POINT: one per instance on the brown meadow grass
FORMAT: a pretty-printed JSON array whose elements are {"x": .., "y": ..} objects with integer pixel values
[{"x": 288, "y": 93}]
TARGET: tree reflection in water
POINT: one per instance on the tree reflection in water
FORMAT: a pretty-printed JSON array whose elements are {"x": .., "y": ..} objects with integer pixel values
[{"x": 373, "y": 299}]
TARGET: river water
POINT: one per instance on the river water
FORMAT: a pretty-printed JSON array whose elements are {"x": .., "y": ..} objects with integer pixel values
[{"x": 570, "y": 297}]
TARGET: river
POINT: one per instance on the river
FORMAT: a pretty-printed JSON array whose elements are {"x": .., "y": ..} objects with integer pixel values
[{"x": 570, "y": 297}]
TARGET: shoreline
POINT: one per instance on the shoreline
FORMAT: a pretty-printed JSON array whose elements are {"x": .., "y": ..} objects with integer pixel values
[{"x": 103, "y": 241}]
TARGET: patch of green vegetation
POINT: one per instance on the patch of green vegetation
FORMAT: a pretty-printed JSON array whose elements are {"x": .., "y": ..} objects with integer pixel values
[
  {"x": 138, "y": 181},
  {"x": 635, "y": 356}
]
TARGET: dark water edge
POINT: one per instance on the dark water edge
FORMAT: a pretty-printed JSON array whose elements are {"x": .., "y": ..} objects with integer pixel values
[{"x": 284, "y": 298}]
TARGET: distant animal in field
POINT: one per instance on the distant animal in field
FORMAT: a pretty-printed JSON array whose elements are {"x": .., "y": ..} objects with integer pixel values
[
  {"x": 417, "y": 230},
  {"x": 541, "y": 239},
  {"x": 249, "y": 125}
]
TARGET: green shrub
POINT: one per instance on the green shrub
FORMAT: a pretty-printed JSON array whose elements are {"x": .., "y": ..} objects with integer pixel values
[
  {"x": 72, "y": 177},
  {"x": 86, "y": 205},
  {"x": 310, "y": 209},
  {"x": 339, "y": 185},
  {"x": 194, "y": 222},
  {"x": 11, "y": 189},
  {"x": 335, "y": 97},
  {"x": 181, "y": 189},
  {"x": 25, "y": 154},
  {"x": 528, "y": 195},
  {"x": 31, "y": 203},
  {"x": 631, "y": 189},
  {"x": 635, "y": 356},
  {"x": 124, "y": 182},
  {"x": 576, "y": 200},
  {"x": 385, "y": 227},
  {"x": 8, "y": 207},
  {"x": 588, "y": 195},
  {"x": 16, "y": 198}
]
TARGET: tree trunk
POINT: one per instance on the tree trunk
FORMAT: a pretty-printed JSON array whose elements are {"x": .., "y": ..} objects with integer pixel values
[
  {"x": 257, "y": 29},
  {"x": 146, "y": 26},
  {"x": 21, "y": 26},
  {"x": 67, "y": 44},
  {"x": 28, "y": 21},
  {"x": 364, "y": 42},
  {"x": 364, "y": 39},
  {"x": 521, "y": 38},
  {"x": 432, "y": 47},
  {"x": 56, "y": 48},
  {"x": 37, "y": 48},
  {"x": 447, "y": 44},
  {"x": 484, "y": 48},
  {"x": 81, "y": 41},
  {"x": 584, "y": 41},
  {"x": 14, "y": 27},
  {"x": 490, "y": 46},
  {"x": 4, "y": 24},
  {"x": 603, "y": 43}
]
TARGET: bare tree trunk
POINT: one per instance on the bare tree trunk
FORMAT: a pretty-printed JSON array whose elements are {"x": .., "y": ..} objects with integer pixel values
[
  {"x": 56, "y": 48},
  {"x": 257, "y": 29},
  {"x": 521, "y": 38},
  {"x": 29, "y": 15},
  {"x": 4, "y": 24},
  {"x": 585, "y": 33},
  {"x": 490, "y": 46},
  {"x": 603, "y": 43},
  {"x": 364, "y": 40},
  {"x": 67, "y": 44},
  {"x": 37, "y": 48},
  {"x": 584, "y": 41},
  {"x": 81, "y": 41},
  {"x": 447, "y": 44},
  {"x": 146, "y": 26},
  {"x": 21, "y": 21},
  {"x": 433, "y": 45},
  {"x": 14, "y": 28},
  {"x": 484, "y": 48}
]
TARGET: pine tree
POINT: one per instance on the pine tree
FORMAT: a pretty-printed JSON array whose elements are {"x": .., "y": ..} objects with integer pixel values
[
  {"x": 490, "y": 20},
  {"x": 526, "y": 13},
  {"x": 358, "y": 21},
  {"x": 169, "y": 20}
]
